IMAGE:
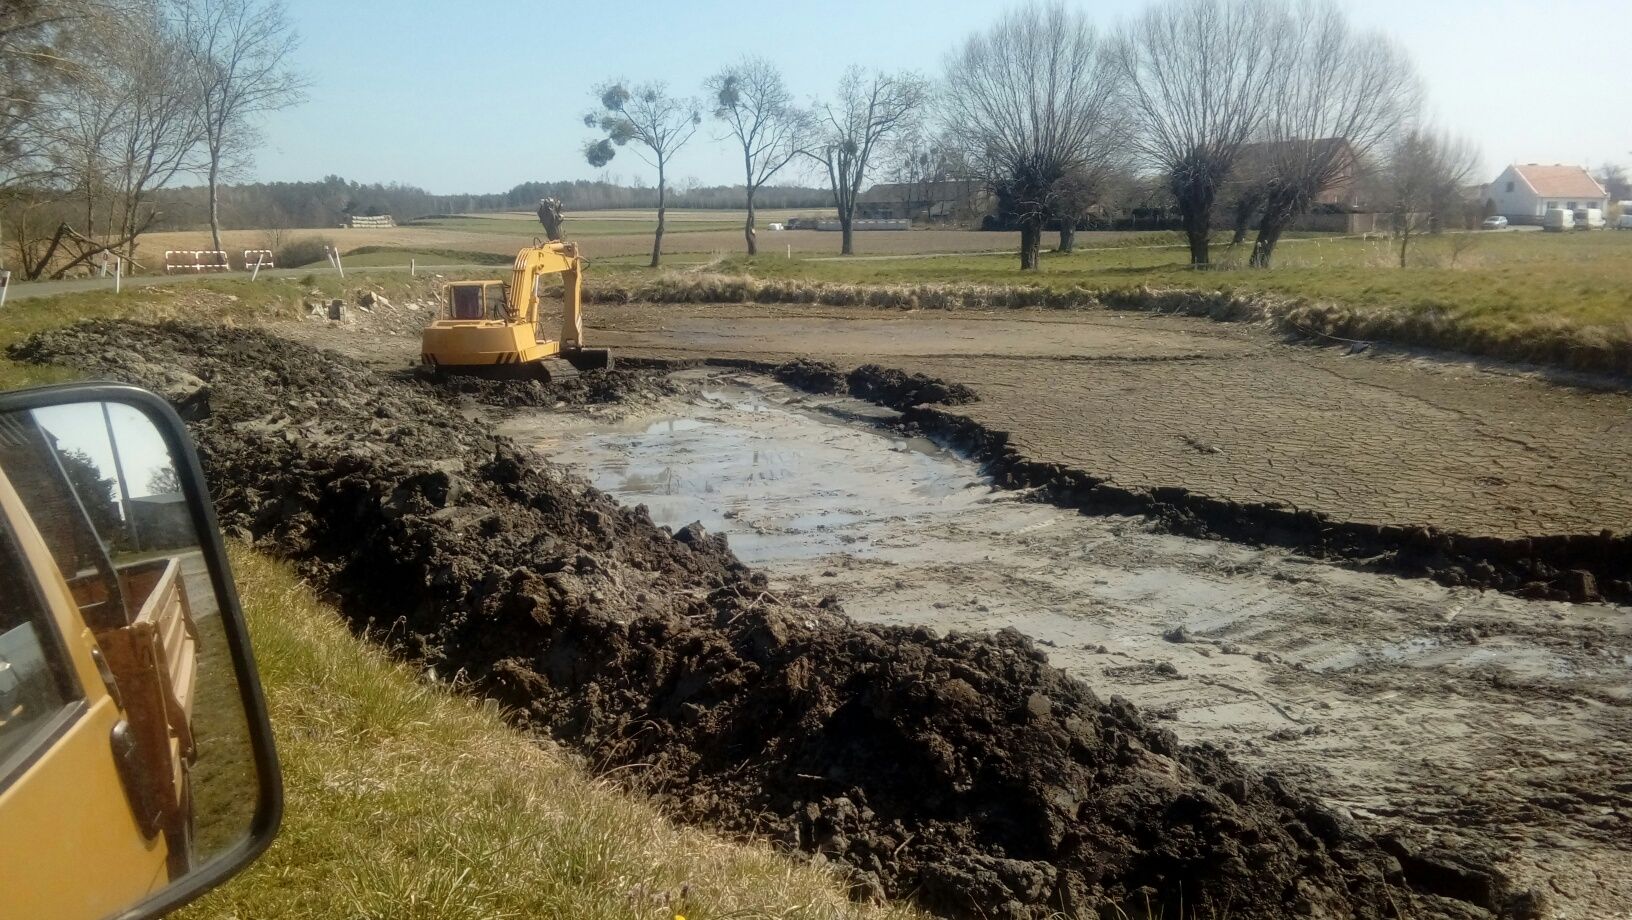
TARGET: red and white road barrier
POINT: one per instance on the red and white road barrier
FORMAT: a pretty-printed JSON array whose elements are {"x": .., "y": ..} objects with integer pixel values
[{"x": 195, "y": 260}]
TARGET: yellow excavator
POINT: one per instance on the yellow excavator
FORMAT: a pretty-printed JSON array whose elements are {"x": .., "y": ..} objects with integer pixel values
[{"x": 490, "y": 328}]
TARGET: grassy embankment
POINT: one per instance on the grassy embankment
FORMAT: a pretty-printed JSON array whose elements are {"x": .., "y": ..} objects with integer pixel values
[
  {"x": 406, "y": 800},
  {"x": 1564, "y": 300}
]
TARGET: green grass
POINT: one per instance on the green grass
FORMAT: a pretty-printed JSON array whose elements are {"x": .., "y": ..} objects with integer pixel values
[
  {"x": 1506, "y": 278},
  {"x": 374, "y": 256},
  {"x": 408, "y": 801}
]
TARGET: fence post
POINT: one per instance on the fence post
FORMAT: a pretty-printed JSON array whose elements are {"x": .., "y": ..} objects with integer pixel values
[
  {"x": 118, "y": 273},
  {"x": 259, "y": 258},
  {"x": 338, "y": 266},
  {"x": 413, "y": 268}
]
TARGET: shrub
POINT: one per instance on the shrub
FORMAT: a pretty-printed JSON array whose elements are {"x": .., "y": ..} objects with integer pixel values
[{"x": 305, "y": 250}]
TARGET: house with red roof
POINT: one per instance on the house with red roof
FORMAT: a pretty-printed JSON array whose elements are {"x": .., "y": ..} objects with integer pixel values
[{"x": 1524, "y": 192}]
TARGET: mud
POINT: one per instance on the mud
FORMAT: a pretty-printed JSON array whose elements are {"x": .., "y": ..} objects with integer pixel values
[
  {"x": 627, "y": 389},
  {"x": 1582, "y": 567},
  {"x": 960, "y": 770},
  {"x": 1415, "y": 706}
]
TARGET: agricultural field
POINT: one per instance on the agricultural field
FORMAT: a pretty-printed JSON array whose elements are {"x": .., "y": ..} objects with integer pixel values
[{"x": 690, "y": 237}]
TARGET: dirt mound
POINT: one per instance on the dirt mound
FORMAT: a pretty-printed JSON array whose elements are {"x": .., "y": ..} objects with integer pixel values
[
  {"x": 899, "y": 390},
  {"x": 591, "y": 388},
  {"x": 961, "y": 770},
  {"x": 883, "y": 385}
]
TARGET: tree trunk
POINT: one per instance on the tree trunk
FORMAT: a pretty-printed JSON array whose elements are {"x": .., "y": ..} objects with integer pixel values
[
  {"x": 1269, "y": 233},
  {"x": 1405, "y": 242},
  {"x": 1279, "y": 210},
  {"x": 215, "y": 199},
  {"x": 1197, "y": 228},
  {"x": 1068, "y": 235},
  {"x": 847, "y": 245},
  {"x": 1244, "y": 209},
  {"x": 748, "y": 228},
  {"x": 1031, "y": 245},
  {"x": 657, "y": 238}
]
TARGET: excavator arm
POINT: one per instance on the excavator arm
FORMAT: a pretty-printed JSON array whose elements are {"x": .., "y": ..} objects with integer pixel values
[{"x": 531, "y": 265}]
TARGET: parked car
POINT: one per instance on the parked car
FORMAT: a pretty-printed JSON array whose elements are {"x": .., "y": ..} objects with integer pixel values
[
  {"x": 1624, "y": 222},
  {"x": 1557, "y": 220},
  {"x": 1495, "y": 223},
  {"x": 1589, "y": 219}
]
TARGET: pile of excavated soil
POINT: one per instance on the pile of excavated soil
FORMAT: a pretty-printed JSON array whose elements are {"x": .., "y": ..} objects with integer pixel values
[
  {"x": 627, "y": 388},
  {"x": 962, "y": 771},
  {"x": 883, "y": 385}
]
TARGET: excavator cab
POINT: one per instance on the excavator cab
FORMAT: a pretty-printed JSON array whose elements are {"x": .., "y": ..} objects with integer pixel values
[{"x": 475, "y": 300}]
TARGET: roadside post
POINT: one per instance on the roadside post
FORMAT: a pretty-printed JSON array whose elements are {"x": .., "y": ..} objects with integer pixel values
[
  {"x": 118, "y": 273},
  {"x": 259, "y": 258},
  {"x": 5, "y": 285},
  {"x": 338, "y": 266},
  {"x": 413, "y": 268}
]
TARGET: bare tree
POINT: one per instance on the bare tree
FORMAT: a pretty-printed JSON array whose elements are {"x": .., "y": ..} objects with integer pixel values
[
  {"x": 1194, "y": 75},
  {"x": 1075, "y": 194},
  {"x": 1423, "y": 177},
  {"x": 654, "y": 120},
  {"x": 1613, "y": 177},
  {"x": 1336, "y": 97},
  {"x": 160, "y": 128},
  {"x": 752, "y": 100},
  {"x": 1031, "y": 100},
  {"x": 869, "y": 113},
  {"x": 238, "y": 54}
]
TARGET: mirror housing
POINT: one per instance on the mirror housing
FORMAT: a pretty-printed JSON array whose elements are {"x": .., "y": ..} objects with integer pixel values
[{"x": 122, "y": 620}]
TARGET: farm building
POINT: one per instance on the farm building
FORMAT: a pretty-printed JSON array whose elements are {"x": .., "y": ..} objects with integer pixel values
[
  {"x": 1524, "y": 192},
  {"x": 944, "y": 201}
]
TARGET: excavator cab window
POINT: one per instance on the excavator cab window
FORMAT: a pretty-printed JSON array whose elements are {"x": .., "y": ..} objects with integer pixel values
[
  {"x": 465, "y": 302},
  {"x": 476, "y": 300}
]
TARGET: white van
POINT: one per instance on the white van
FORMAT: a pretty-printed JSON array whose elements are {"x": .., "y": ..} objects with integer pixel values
[
  {"x": 1557, "y": 220},
  {"x": 1589, "y": 219}
]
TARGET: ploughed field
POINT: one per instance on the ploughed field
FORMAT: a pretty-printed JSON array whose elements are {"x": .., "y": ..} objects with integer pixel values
[{"x": 1265, "y": 760}]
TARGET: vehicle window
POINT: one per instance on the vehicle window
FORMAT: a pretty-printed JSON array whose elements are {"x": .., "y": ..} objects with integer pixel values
[
  {"x": 495, "y": 300},
  {"x": 466, "y": 302},
  {"x": 35, "y": 683}
]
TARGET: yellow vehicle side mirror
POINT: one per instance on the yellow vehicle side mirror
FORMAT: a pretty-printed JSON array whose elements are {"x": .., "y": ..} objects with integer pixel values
[{"x": 137, "y": 768}]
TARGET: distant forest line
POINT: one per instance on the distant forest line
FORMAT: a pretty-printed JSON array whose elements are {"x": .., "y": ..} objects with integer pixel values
[{"x": 328, "y": 202}]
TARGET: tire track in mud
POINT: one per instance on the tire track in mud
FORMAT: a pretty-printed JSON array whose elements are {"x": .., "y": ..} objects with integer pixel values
[{"x": 962, "y": 771}]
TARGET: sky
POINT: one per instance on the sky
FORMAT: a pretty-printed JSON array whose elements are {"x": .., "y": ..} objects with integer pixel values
[{"x": 479, "y": 95}]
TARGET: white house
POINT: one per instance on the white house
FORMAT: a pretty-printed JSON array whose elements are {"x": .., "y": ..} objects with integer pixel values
[{"x": 1525, "y": 191}]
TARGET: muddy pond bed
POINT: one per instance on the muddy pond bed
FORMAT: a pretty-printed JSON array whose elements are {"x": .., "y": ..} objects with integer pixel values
[{"x": 1402, "y": 700}]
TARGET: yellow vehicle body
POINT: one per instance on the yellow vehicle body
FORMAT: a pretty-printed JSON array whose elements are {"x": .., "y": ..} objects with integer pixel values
[
  {"x": 490, "y": 327},
  {"x": 96, "y": 810}
]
